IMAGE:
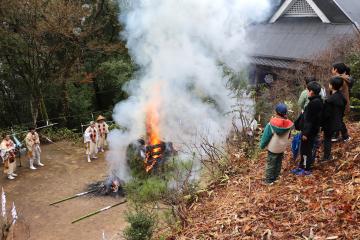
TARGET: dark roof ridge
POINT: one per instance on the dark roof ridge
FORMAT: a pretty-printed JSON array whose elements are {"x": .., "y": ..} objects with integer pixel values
[
  {"x": 276, "y": 58},
  {"x": 357, "y": 24}
]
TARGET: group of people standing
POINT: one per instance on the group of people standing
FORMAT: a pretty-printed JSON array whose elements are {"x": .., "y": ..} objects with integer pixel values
[
  {"x": 320, "y": 112},
  {"x": 8, "y": 152},
  {"x": 95, "y": 137}
]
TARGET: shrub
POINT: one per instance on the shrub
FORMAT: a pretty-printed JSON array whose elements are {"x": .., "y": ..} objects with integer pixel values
[
  {"x": 354, "y": 62},
  {"x": 136, "y": 162},
  {"x": 147, "y": 190},
  {"x": 142, "y": 224},
  {"x": 263, "y": 105}
]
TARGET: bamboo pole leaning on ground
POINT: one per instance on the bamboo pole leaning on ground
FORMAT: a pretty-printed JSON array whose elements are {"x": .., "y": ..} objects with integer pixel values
[
  {"x": 72, "y": 197},
  {"x": 98, "y": 211},
  {"x": 57, "y": 145}
]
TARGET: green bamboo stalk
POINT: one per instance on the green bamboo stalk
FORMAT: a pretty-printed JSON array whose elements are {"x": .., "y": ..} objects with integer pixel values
[
  {"x": 98, "y": 211},
  {"x": 72, "y": 197}
]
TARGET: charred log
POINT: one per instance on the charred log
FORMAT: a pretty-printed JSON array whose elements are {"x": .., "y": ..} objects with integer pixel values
[{"x": 112, "y": 186}]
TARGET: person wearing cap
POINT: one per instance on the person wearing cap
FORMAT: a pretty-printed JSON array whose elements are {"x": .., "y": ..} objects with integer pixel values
[
  {"x": 103, "y": 130},
  {"x": 276, "y": 137},
  {"x": 32, "y": 141},
  {"x": 7, "y": 150},
  {"x": 310, "y": 128},
  {"x": 90, "y": 140}
]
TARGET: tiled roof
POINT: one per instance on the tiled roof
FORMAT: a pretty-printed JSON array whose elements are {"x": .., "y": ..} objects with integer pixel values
[
  {"x": 352, "y": 9},
  {"x": 272, "y": 62},
  {"x": 296, "y": 39}
]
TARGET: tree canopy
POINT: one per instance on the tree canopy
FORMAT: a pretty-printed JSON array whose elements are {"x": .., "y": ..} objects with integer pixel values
[{"x": 52, "y": 53}]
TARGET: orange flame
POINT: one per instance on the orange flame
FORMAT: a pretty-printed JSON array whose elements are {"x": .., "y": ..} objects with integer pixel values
[
  {"x": 152, "y": 125},
  {"x": 153, "y": 132}
]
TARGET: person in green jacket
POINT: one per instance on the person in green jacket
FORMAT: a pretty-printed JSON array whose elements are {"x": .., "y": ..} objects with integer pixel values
[
  {"x": 276, "y": 137},
  {"x": 304, "y": 98}
]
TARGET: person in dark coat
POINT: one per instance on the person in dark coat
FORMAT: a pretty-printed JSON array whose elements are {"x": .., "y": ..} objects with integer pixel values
[
  {"x": 310, "y": 128},
  {"x": 340, "y": 70},
  {"x": 333, "y": 114}
]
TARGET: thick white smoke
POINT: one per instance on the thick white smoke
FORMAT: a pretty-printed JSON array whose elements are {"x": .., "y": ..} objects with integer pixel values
[{"x": 181, "y": 47}]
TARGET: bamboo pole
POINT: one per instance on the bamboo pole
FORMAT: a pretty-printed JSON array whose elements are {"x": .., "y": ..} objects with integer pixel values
[
  {"x": 46, "y": 126},
  {"x": 72, "y": 197},
  {"x": 98, "y": 211},
  {"x": 57, "y": 145}
]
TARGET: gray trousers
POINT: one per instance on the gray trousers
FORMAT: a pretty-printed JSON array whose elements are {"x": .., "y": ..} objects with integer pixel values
[{"x": 273, "y": 166}]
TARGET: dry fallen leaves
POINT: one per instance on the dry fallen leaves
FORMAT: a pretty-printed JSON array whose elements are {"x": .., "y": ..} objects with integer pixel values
[{"x": 323, "y": 206}]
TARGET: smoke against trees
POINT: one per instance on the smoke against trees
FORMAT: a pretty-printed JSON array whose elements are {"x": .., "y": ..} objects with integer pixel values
[{"x": 181, "y": 48}]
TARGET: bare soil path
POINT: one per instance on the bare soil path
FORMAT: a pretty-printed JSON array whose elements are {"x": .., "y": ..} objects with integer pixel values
[{"x": 63, "y": 175}]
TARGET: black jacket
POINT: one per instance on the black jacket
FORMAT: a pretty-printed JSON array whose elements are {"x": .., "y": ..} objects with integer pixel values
[
  {"x": 312, "y": 117},
  {"x": 334, "y": 110}
]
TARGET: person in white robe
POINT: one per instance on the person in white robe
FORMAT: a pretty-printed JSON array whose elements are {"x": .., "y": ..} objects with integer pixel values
[
  {"x": 32, "y": 141},
  {"x": 103, "y": 130},
  {"x": 7, "y": 152},
  {"x": 90, "y": 140}
]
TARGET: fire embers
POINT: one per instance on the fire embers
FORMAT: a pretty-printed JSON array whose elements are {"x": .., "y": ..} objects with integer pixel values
[
  {"x": 145, "y": 158},
  {"x": 153, "y": 155},
  {"x": 112, "y": 186}
]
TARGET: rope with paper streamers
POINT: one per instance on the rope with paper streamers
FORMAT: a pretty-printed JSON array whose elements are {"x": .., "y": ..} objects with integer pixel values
[{"x": 7, "y": 222}]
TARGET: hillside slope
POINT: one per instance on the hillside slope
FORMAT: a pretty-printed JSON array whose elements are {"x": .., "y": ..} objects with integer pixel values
[{"x": 324, "y": 205}]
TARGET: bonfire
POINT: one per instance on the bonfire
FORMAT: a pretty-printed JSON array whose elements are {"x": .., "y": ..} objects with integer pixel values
[{"x": 148, "y": 154}]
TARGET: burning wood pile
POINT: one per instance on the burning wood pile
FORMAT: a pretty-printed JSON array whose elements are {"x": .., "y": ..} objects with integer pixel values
[
  {"x": 144, "y": 159},
  {"x": 156, "y": 155},
  {"x": 148, "y": 154},
  {"x": 144, "y": 156},
  {"x": 156, "y": 151}
]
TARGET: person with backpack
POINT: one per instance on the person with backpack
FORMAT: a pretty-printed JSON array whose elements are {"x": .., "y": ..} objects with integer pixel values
[
  {"x": 333, "y": 114},
  {"x": 309, "y": 127},
  {"x": 276, "y": 138}
]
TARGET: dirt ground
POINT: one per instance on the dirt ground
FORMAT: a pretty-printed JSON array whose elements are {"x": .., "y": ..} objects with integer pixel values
[{"x": 63, "y": 175}]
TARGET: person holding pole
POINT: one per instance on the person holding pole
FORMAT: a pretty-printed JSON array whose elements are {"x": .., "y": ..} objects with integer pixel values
[
  {"x": 33, "y": 146},
  {"x": 103, "y": 130},
  {"x": 7, "y": 148},
  {"x": 90, "y": 140}
]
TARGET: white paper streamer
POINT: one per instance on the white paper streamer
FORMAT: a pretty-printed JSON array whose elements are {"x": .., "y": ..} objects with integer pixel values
[
  {"x": 14, "y": 213},
  {"x": 3, "y": 204}
]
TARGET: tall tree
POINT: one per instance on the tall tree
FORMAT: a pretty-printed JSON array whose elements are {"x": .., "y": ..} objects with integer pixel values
[{"x": 44, "y": 42}]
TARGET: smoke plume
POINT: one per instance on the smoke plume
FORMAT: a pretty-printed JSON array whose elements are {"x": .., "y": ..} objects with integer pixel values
[{"x": 181, "y": 48}]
